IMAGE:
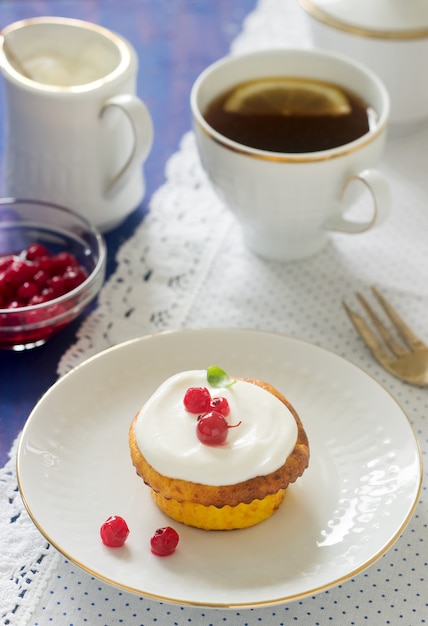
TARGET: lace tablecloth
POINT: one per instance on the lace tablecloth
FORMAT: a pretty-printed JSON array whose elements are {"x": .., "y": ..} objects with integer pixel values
[{"x": 186, "y": 266}]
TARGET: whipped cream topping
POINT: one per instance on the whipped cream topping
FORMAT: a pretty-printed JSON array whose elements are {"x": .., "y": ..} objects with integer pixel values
[{"x": 166, "y": 433}]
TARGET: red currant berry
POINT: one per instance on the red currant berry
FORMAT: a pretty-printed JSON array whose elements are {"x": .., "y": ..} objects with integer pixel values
[
  {"x": 58, "y": 286},
  {"x": 221, "y": 405},
  {"x": 35, "y": 251},
  {"x": 37, "y": 299},
  {"x": 40, "y": 278},
  {"x": 114, "y": 532},
  {"x": 197, "y": 400},
  {"x": 5, "y": 262},
  {"x": 13, "y": 304},
  {"x": 48, "y": 293},
  {"x": 44, "y": 263},
  {"x": 19, "y": 272},
  {"x": 164, "y": 541},
  {"x": 62, "y": 261},
  {"x": 6, "y": 289},
  {"x": 212, "y": 428},
  {"x": 26, "y": 291},
  {"x": 74, "y": 276}
]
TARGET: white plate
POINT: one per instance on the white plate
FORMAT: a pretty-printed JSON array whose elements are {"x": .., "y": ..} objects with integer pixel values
[{"x": 360, "y": 490}]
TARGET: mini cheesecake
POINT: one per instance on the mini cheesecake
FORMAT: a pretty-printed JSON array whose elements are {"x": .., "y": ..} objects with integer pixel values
[{"x": 219, "y": 487}]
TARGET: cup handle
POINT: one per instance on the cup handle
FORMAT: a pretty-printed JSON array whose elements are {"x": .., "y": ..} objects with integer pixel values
[
  {"x": 142, "y": 129},
  {"x": 379, "y": 190}
]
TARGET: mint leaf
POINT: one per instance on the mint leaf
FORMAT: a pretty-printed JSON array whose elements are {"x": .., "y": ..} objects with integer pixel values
[{"x": 217, "y": 377}]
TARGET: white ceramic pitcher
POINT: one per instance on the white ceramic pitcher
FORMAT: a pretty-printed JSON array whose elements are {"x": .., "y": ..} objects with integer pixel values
[{"x": 75, "y": 132}]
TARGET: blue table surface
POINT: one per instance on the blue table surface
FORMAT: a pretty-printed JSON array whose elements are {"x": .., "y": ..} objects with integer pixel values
[{"x": 175, "y": 40}]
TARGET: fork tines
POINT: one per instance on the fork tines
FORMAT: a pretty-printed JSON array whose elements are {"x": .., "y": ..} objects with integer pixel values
[{"x": 406, "y": 334}]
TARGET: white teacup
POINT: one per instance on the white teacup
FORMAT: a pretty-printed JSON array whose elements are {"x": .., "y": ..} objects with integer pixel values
[
  {"x": 287, "y": 203},
  {"x": 76, "y": 133}
]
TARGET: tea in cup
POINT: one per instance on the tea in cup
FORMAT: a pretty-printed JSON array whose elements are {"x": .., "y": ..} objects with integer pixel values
[
  {"x": 283, "y": 135},
  {"x": 76, "y": 134}
]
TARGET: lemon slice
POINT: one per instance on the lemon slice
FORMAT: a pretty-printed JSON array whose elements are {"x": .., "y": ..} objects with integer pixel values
[{"x": 287, "y": 96}]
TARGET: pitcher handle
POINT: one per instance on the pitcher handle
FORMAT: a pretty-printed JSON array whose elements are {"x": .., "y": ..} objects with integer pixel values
[{"x": 142, "y": 130}]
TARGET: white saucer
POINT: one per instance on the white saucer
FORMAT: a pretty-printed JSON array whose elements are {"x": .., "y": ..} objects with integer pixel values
[{"x": 352, "y": 503}]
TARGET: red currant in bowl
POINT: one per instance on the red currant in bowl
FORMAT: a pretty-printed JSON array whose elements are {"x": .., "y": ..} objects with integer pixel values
[{"x": 52, "y": 265}]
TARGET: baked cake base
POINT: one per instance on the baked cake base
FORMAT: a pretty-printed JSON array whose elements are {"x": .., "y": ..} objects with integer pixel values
[{"x": 220, "y": 518}]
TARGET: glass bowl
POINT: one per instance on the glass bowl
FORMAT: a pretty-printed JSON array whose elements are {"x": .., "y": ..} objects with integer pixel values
[{"x": 25, "y": 222}]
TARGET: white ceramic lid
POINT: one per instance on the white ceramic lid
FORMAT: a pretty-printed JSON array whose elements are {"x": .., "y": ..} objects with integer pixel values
[{"x": 394, "y": 18}]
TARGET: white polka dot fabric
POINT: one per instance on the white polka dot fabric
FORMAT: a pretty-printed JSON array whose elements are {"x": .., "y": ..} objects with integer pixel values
[
  {"x": 201, "y": 275},
  {"x": 380, "y": 596}
]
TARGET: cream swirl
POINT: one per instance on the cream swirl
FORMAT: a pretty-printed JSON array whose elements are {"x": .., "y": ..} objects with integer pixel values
[{"x": 166, "y": 433}]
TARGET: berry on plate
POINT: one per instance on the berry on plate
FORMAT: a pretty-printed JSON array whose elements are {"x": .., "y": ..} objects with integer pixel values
[
  {"x": 164, "y": 541},
  {"x": 114, "y": 532}
]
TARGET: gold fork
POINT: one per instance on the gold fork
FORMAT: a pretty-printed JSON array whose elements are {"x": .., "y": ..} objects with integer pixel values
[{"x": 409, "y": 362}]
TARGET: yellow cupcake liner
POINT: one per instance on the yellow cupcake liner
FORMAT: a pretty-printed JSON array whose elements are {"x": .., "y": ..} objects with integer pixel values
[{"x": 224, "y": 518}]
